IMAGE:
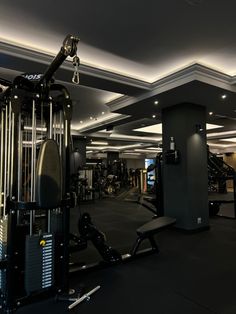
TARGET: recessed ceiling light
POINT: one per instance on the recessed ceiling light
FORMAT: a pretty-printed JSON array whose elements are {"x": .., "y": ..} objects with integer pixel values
[
  {"x": 223, "y": 96},
  {"x": 210, "y": 113},
  {"x": 154, "y": 116},
  {"x": 156, "y": 102},
  {"x": 91, "y": 118}
]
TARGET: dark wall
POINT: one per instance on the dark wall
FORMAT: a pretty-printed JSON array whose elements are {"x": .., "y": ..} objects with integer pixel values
[{"x": 186, "y": 184}]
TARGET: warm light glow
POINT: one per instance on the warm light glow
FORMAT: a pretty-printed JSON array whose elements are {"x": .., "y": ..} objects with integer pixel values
[
  {"x": 136, "y": 138},
  {"x": 34, "y": 38},
  {"x": 157, "y": 128},
  {"x": 231, "y": 139},
  {"x": 154, "y": 148},
  {"x": 224, "y": 133},
  {"x": 138, "y": 154},
  {"x": 157, "y": 150},
  {"x": 98, "y": 143},
  {"x": 210, "y": 126},
  {"x": 220, "y": 145},
  {"x": 110, "y": 147}
]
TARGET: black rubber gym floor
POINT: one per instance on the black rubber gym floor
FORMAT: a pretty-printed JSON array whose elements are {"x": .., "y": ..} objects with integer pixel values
[{"x": 192, "y": 274}]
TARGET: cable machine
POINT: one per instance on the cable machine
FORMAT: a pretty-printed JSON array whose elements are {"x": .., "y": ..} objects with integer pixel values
[{"x": 35, "y": 117}]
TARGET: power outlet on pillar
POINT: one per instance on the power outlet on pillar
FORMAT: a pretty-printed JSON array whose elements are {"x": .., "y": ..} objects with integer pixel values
[{"x": 199, "y": 220}]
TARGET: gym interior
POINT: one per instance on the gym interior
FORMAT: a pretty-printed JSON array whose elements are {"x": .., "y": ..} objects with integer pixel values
[{"x": 117, "y": 157}]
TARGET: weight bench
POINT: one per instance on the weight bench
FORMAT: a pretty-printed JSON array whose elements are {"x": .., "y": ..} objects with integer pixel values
[{"x": 148, "y": 230}]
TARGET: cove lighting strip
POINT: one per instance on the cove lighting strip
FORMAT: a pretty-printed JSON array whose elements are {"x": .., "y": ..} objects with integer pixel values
[
  {"x": 136, "y": 138},
  {"x": 113, "y": 147},
  {"x": 225, "y": 133},
  {"x": 135, "y": 154},
  {"x": 157, "y": 128},
  {"x": 231, "y": 139},
  {"x": 98, "y": 143},
  {"x": 221, "y": 145}
]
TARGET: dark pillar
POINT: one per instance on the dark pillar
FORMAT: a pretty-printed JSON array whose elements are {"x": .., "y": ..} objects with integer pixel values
[
  {"x": 186, "y": 184},
  {"x": 78, "y": 158},
  {"x": 111, "y": 157}
]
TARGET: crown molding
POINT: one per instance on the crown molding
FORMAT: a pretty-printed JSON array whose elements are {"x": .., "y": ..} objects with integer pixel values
[
  {"x": 190, "y": 73},
  {"x": 195, "y": 72},
  {"x": 44, "y": 58}
]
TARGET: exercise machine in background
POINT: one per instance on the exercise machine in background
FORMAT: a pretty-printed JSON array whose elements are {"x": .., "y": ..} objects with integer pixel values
[
  {"x": 151, "y": 186},
  {"x": 221, "y": 187}
]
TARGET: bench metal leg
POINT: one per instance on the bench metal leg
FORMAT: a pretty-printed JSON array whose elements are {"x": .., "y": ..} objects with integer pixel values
[
  {"x": 153, "y": 244},
  {"x": 139, "y": 240},
  {"x": 136, "y": 246}
]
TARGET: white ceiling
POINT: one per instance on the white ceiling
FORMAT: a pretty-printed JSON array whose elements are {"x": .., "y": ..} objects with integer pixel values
[{"x": 141, "y": 49}]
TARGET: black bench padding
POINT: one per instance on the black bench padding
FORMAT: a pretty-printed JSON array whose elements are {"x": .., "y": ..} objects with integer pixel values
[
  {"x": 148, "y": 230},
  {"x": 48, "y": 176},
  {"x": 155, "y": 225}
]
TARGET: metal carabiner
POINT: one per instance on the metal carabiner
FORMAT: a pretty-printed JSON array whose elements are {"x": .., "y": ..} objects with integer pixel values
[{"x": 76, "y": 63}]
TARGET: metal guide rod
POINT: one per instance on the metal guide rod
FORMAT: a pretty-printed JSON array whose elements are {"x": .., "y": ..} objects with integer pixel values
[
  {"x": 19, "y": 167},
  {"x": 32, "y": 152},
  {"x": 9, "y": 150},
  {"x": 66, "y": 131},
  {"x": 12, "y": 153},
  {"x": 25, "y": 169},
  {"x": 50, "y": 120},
  {"x": 54, "y": 126},
  {"x": 50, "y": 137},
  {"x": 84, "y": 297},
  {"x": 1, "y": 163},
  {"x": 29, "y": 165},
  {"x": 5, "y": 162},
  {"x": 60, "y": 135},
  {"x": 19, "y": 177},
  {"x": 32, "y": 166}
]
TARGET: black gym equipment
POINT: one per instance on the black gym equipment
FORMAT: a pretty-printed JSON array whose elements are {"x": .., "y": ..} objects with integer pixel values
[
  {"x": 219, "y": 173},
  {"x": 35, "y": 184},
  {"x": 110, "y": 256},
  {"x": 154, "y": 201},
  {"x": 35, "y": 198}
]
